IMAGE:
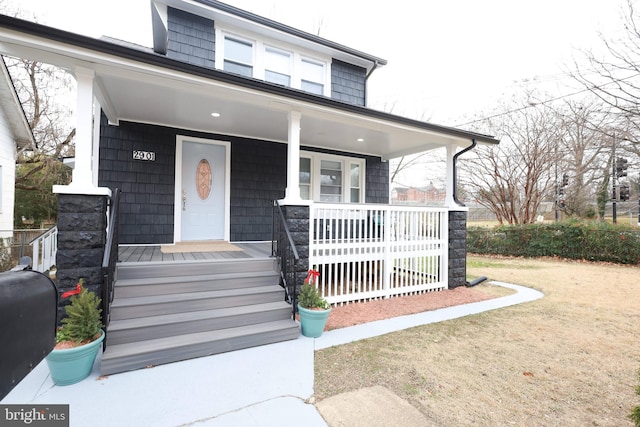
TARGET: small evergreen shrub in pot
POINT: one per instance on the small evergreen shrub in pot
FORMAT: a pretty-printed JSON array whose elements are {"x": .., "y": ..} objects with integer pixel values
[
  {"x": 313, "y": 309},
  {"x": 79, "y": 338}
]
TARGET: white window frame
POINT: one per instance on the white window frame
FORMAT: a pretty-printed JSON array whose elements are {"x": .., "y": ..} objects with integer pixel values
[
  {"x": 277, "y": 50},
  {"x": 220, "y": 48},
  {"x": 259, "y": 49},
  {"x": 315, "y": 160}
]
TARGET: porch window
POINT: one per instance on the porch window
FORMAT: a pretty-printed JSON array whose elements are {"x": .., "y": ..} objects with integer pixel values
[
  {"x": 331, "y": 179},
  {"x": 355, "y": 183},
  {"x": 277, "y": 66},
  {"x": 305, "y": 178},
  {"x": 238, "y": 56}
]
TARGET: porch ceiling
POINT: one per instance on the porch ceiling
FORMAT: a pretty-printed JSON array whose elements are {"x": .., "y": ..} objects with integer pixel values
[{"x": 134, "y": 84}]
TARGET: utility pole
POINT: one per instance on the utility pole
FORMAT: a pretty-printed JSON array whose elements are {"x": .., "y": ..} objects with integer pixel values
[
  {"x": 555, "y": 203},
  {"x": 614, "y": 177}
]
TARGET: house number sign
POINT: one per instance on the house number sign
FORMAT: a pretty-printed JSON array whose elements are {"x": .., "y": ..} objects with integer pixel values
[{"x": 144, "y": 155}]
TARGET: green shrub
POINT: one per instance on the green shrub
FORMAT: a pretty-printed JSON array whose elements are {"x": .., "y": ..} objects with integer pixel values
[
  {"x": 309, "y": 297},
  {"x": 83, "y": 321},
  {"x": 572, "y": 239}
]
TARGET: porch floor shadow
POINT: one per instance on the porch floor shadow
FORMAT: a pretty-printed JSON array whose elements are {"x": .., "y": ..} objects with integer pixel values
[{"x": 153, "y": 253}]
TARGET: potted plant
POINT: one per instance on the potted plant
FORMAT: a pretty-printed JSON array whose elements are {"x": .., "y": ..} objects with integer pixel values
[
  {"x": 78, "y": 339},
  {"x": 313, "y": 309}
]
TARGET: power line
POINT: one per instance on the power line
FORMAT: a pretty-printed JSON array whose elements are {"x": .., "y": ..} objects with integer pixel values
[{"x": 534, "y": 105}]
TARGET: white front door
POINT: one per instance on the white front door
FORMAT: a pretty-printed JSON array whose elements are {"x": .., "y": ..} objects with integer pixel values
[{"x": 203, "y": 197}]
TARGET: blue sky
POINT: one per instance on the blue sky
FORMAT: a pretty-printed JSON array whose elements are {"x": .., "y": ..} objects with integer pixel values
[{"x": 447, "y": 59}]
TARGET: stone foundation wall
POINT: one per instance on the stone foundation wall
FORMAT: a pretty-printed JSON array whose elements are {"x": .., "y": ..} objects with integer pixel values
[
  {"x": 457, "y": 249},
  {"x": 297, "y": 218}
]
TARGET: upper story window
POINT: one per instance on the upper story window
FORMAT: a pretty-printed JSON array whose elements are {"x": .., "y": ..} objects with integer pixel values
[
  {"x": 312, "y": 76},
  {"x": 277, "y": 66},
  {"x": 238, "y": 56},
  {"x": 273, "y": 62},
  {"x": 331, "y": 179}
]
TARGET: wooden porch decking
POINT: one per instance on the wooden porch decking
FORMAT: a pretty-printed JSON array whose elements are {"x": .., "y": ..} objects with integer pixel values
[{"x": 153, "y": 253}]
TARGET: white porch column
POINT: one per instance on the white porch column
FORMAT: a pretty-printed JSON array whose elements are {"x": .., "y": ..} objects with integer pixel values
[
  {"x": 448, "y": 201},
  {"x": 83, "y": 181},
  {"x": 292, "y": 193}
]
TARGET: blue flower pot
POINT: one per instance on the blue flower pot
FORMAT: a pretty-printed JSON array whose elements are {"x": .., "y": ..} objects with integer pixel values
[
  {"x": 72, "y": 365},
  {"x": 312, "y": 322}
]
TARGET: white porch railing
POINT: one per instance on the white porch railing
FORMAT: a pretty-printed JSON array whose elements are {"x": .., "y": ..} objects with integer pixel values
[
  {"x": 365, "y": 252},
  {"x": 45, "y": 247}
]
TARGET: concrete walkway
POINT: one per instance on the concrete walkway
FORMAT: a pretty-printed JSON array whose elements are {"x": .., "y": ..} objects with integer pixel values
[{"x": 262, "y": 386}]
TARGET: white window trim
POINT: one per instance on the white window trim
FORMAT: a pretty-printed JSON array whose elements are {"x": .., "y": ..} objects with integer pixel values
[
  {"x": 259, "y": 47},
  {"x": 219, "y": 54},
  {"x": 263, "y": 65},
  {"x": 315, "y": 160}
]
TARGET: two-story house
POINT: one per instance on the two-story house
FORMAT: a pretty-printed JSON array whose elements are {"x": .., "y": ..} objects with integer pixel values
[{"x": 226, "y": 114}]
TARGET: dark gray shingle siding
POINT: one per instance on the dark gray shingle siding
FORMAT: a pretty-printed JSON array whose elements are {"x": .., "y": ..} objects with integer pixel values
[
  {"x": 377, "y": 181},
  {"x": 348, "y": 83},
  {"x": 191, "y": 38},
  {"x": 146, "y": 206},
  {"x": 258, "y": 176}
]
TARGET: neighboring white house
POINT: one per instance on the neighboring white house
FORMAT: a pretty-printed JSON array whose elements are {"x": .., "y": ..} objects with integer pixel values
[{"x": 14, "y": 134}]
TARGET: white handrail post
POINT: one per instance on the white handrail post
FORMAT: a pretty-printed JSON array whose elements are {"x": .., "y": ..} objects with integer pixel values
[
  {"x": 36, "y": 255},
  {"x": 444, "y": 245},
  {"x": 388, "y": 258}
]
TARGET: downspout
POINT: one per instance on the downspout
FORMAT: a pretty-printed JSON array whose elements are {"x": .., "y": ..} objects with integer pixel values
[{"x": 455, "y": 173}]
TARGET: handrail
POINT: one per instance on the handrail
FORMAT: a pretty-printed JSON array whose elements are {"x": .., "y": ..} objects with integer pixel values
[
  {"x": 110, "y": 259},
  {"x": 284, "y": 248},
  {"x": 286, "y": 230},
  {"x": 44, "y": 249}
]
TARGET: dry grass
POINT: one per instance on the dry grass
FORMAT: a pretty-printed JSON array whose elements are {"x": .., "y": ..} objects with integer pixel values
[{"x": 568, "y": 359}]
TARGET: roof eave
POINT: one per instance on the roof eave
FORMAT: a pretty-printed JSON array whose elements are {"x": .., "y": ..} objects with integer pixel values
[
  {"x": 154, "y": 59},
  {"x": 372, "y": 61}
]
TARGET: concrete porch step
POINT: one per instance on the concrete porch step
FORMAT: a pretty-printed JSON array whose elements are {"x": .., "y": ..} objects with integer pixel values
[
  {"x": 155, "y": 305},
  {"x": 152, "y": 327},
  {"x": 130, "y": 356}
]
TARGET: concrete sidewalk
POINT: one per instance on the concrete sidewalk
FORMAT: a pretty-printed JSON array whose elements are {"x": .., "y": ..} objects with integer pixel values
[{"x": 262, "y": 386}]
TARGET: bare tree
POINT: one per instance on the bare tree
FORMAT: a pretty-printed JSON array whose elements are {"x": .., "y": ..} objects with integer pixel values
[
  {"x": 583, "y": 155},
  {"x": 614, "y": 78},
  {"x": 45, "y": 93},
  {"x": 42, "y": 90},
  {"x": 513, "y": 178}
]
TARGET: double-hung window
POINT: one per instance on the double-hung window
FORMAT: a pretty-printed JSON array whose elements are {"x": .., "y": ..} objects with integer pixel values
[
  {"x": 273, "y": 62},
  {"x": 277, "y": 66},
  {"x": 312, "y": 76},
  {"x": 238, "y": 56},
  {"x": 331, "y": 179}
]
